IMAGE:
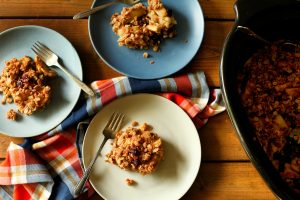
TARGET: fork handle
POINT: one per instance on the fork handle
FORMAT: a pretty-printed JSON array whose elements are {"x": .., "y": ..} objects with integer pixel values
[
  {"x": 78, "y": 188},
  {"x": 92, "y": 10},
  {"x": 81, "y": 84}
]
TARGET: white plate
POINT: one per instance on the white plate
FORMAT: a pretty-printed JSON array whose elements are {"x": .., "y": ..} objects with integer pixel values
[
  {"x": 16, "y": 43},
  {"x": 174, "y": 175}
]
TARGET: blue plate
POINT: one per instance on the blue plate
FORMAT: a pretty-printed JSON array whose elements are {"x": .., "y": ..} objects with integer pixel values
[
  {"x": 174, "y": 53},
  {"x": 16, "y": 43}
]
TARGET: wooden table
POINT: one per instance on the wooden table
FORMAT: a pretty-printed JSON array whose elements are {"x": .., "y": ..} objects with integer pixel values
[{"x": 226, "y": 172}]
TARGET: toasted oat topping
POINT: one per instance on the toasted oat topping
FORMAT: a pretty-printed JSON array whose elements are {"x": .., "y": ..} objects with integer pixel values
[
  {"x": 130, "y": 182},
  {"x": 145, "y": 55},
  {"x": 134, "y": 123},
  {"x": 23, "y": 82},
  {"x": 269, "y": 85},
  {"x": 137, "y": 149},
  {"x": 11, "y": 115},
  {"x": 142, "y": 27}
]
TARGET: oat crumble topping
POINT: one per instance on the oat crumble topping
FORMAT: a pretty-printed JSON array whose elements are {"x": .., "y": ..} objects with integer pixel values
[
  {"x": 269, "y": 85},
  {"x": 142, "y": 27},
  {"x": 134, "y": 123},
  {"x": 145, "y": 55},
  {"x": 23, "y": 82},
  {"x": 130, "y": 182},
  {"x": 11, "y": 115},
  {"x": 137, "y": 149}
]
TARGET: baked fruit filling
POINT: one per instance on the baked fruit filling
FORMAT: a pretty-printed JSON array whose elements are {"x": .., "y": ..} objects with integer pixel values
[{"x": 142, "y": 27}]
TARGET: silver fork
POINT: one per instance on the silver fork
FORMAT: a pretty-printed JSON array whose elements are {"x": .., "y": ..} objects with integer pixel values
[
  {"x": 112, "y": 126},
  {"x": 96, "y": 9},
  {"x": 50, "y": 58}
]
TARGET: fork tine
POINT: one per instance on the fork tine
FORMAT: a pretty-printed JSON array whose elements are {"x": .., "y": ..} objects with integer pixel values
[
  {"x": 33, "y": 49},
  {"x": 38, "y": 53},
  {"x": 39, "y": 50},
  {"x": 43, "y": 48},
  {"x": 119, "y": 122},
  {"x": 115, "y": 121},
  {"x": 110, "y": 120}
]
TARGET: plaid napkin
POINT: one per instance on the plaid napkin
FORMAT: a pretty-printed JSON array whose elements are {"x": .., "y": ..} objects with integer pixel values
[{"x": 50, "y": 165}]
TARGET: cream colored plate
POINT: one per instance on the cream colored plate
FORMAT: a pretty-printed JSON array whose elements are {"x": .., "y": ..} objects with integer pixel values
[{"x": 174, "y": 175}]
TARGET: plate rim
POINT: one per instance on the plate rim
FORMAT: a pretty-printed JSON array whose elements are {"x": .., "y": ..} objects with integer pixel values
[
  {"x": 150, "y": 77},
  {"x": 80, "y": 76},
  {"x": 163, "y": 99}
]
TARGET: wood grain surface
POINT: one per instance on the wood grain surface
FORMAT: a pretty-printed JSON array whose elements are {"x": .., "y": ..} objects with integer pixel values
[
  {"x": 214, "y": 9},
  {"x": 226, "y": 172}
]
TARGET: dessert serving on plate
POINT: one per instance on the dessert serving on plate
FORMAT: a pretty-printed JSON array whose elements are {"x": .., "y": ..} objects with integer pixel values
[
  {"x": 160, "y": 27},
  {"x": 24, "y": 82},
  {"x": 137, "y": 149},
  {"x": 155, "y": 159},
  {"x": 141, "y": 27}
]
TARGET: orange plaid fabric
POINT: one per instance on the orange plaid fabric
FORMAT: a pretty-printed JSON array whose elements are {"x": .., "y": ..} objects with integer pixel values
[{"x": 50, "y": 166}]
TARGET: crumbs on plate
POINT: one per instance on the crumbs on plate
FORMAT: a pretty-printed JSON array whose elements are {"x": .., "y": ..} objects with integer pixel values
[
  {"x": 130, "y": 182},
  {"x": 11, "y": 115},
  {"x": 142, "y": 27},
  {"x": 137, "y": 149},
  {"x": 24, "y": 82},
  {"x": 145, "y": 55}
]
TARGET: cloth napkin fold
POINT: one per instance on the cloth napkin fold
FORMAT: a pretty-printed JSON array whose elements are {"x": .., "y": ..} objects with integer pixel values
[{"x": 49, "y": 166}]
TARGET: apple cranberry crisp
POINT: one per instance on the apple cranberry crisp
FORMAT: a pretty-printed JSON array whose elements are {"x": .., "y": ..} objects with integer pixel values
[
  {"x": 137, "y": 149},
  {"x": 141, "y": 27},
  {"x": 269, "y": 85},
  {"x": 11, "y": 115},
  {"x": 130, "y": 182},
  {"x": 23, "y": 82}
]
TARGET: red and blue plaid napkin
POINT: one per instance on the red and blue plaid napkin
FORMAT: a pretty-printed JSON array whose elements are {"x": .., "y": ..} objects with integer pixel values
[{"x": 49, "y": 166}]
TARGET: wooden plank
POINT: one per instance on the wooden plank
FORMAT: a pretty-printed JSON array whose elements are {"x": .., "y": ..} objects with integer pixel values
[
  {"x": 207, "y": 59},
  {"x": 226, "y": 181},
  {"x": 67, "y": 9},
  {"x": 239, "y": 181},
  {"x": 216, "y": 9},
  {"x": 42, "y": 9},
  {"x": 219, "y": 140},
  {"x": 5, "y": 141}
]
